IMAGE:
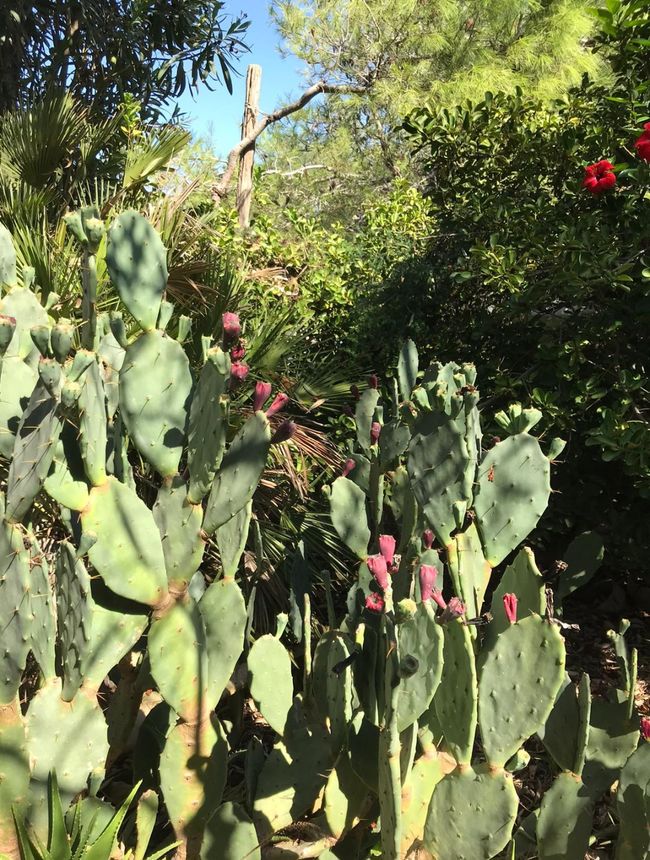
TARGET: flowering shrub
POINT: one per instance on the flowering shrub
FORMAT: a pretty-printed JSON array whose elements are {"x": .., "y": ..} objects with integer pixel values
[
  {"x": 642, "y": 144},
  {"x": 542, "y": 277},
  {"x": 599, "y": 177}
]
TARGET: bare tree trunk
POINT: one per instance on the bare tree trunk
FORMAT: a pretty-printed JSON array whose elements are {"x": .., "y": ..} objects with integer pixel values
[{"x": 247, "y": 157}]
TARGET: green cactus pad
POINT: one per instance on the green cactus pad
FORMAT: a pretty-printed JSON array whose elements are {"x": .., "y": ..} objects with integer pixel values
[
  {"x": 364, "y": 416},
  {"x": 137, "y": 264},
  {"x": 271, "y": 684},
  {"x": 455, "y": 700},
  {"x": 65, "y": 487},
  {"x": 470, "y": 572},
  {"x": 240, "y": 472},
  {"x": 179, "y": 524},
  {"x": 127, "y": 553},
  {"x": 407, "y": 369},
  {"x": 111, "y": 358},
  {"x": 223, "y": 609},
  {"x": 14, "y": 773},
  {"x": 291, "y": 779},
  {"x": 471, "y": 815},
  {"x": 560, "y": 732},
  {"x": 68, "y": 737},
  {"x": 348, "y": 513},
  {"x": 193, "y": 766},
  {"x": 513, "y": 488},
  {"x": 114, "y": 631},
  {"x": 633, "y": 805},
  {"x": 92, "y": 424},
  {"x": 583, "y": 557},
  {"x": 206, "y": 435},
  {"x": 42, "y": 623},
  {"x": 74, "y": 607},
  {"x": 15, "y": 609},
  {"x": 438, "y": 462},
  {"x": 523, "y": 579},
  {"x": 179, "y": 663},
  {"x": 33, "y": 453},
  {"x": 231, "y": 540},
  {"x": 24, "y": 307},
  {"x": 416, "y": 796},
  {"x": 613, "y": 737},
  {"x": 155, "y": 391},
  {"x": 393, "y": 441},
  {"x": 363, "y": 746},
  {"x": 16, "y": 386},
  {"x": 333, "y": 691},
  {"x": 7, "y": 258},
  {"x": 519, "y": 679},
  {"x": 565, "y": 820},
  {"x": 419, "y": 638},
  {"x": 345, "y": 797},
  {"x": 230, "y": 835}
]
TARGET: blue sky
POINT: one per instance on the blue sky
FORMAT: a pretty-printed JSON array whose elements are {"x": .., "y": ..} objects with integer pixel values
[{"x": 217, "y": 115}]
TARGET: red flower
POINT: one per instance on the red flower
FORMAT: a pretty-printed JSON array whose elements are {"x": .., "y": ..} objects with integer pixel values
[
  {"x": 239, "y": 371},
  {"x": 510, "y": 606},
  {"x": 238, "y": 352},
  {"x": 279, "y": 402},
  {"x": 231, "y": 325},
  {"x": 645, "y": 728},
  {"x": 387, "y": 548},
  {"x": 262, "y": 394},
  {"x": 375, "y": 432},
  {"x": 599, "y": 177},
  {"x": 642, "y": 143},
  {"x": 428, "y": 575},
  {"x": 378, "y": 568},
  {"x": 349, "y": 466},
  {"x": 375, "y": 602}
]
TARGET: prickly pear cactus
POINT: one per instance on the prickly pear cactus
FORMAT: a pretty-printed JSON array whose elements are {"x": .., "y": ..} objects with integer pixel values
[{"x": 124, "y": 462}]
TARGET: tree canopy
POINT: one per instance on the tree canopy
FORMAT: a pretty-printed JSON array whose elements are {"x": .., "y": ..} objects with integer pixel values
[
  {"x": 390, "y": 56},
  {"x": 100, "y": 50}
]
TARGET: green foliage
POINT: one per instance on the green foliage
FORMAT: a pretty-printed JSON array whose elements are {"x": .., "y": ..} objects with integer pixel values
[
  {"x": 142, "y": 50},
  {"x": 385, "y": 60},
  {"x": 543, "y": 283}
]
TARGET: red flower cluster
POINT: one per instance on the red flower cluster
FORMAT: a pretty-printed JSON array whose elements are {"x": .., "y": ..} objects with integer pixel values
[
  {"x": 642, "y": 143},
  {"x": 599, "y": 177}
]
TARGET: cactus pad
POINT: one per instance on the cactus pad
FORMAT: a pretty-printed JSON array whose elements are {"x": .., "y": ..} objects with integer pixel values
[
  {"x": 223, "y": 610},
  {"x": 565, "y": 820},
  {"x": 271, "y": 684},
  {"x": 192, "y": 777},
  {"x": 455, "y": 701},
  {"x": 155, "y": 391},
  {"x": 127, "y": 553},
  {"x": 240, "y": 472},
  {"x": 420, "y": 639},
  {"x": 470, "y": 571},
  {"x": 471, "y": 815},
  {"x": 137, "y": 265},
  {"x": 519, "y": 681},
  {"x": 348, "y": 513},
  {"x": 179, "y": 524},
  {"x": 68, "y": 737},
  {"x": 230, "y": 835},
  {"x": 206, "y": 435},
  {"x": 513, "y": 490},
  {"x": 178, "y": 659}
]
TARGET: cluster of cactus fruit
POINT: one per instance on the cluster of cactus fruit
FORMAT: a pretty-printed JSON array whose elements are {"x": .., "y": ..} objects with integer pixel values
[{"x": 139, "y": 661}]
